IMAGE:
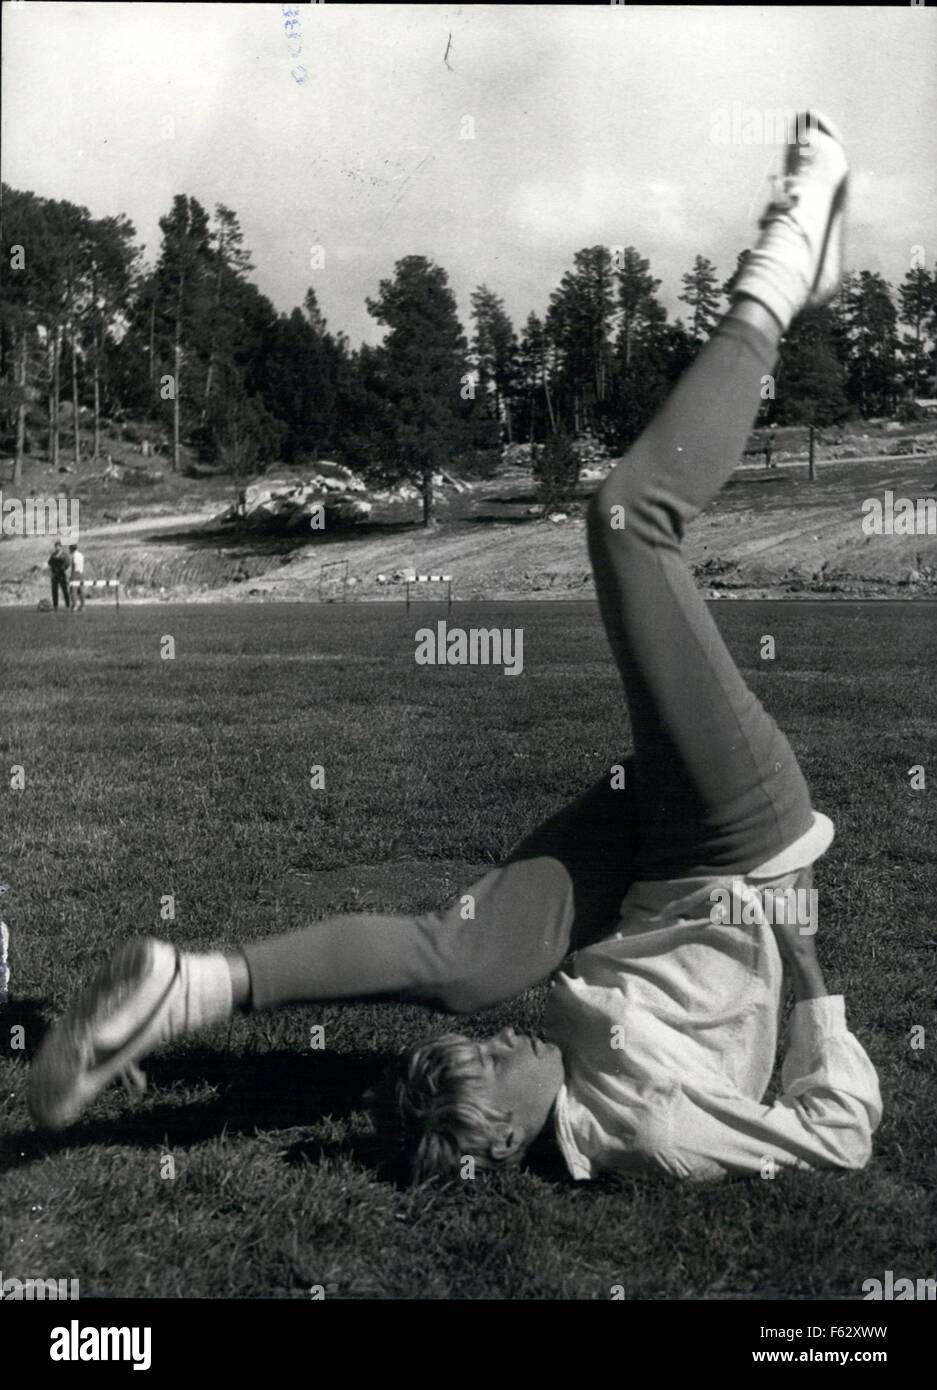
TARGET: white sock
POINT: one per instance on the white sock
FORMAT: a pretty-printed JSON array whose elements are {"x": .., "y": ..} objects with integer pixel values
[
  {"x": 177, "y": 999},
  {"x": 777, "y": 273},
  {"x": 203, "y": 996}
]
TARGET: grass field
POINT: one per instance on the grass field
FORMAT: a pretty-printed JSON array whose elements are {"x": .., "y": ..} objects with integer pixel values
[{"x": 147, "y": 777}]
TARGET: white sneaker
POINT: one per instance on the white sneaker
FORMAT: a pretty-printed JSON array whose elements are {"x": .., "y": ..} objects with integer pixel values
[
  {"x": 798, "y": 261},
  {"x": 146, "y": 995}
]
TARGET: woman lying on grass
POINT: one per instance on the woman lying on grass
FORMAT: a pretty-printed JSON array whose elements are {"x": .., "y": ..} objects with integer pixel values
[{"x": 662, "y": 1031}]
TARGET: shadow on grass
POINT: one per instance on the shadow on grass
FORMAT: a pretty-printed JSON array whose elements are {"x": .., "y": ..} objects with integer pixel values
[
  {"x": 787, "y": 479},
  {"x": 262, "y": 543},
  {"x": 527, "y": 499},
  {"x": 533, "y": 499},
  {"x": 272, "y": 1091},
  {"x": 28, "y": 1014},
  {"x": 488, "y": 520},
  {"x": 271, "y": 542}
]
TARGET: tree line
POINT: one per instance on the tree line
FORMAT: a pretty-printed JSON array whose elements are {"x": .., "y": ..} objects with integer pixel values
[{"x": 189, "y": 345}]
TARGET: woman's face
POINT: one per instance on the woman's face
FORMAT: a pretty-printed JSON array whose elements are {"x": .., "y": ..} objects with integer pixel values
[{"x": 523, "y": 1075}]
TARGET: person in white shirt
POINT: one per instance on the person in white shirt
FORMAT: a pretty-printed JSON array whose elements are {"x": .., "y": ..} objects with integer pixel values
[
  {"x": 77, "y": 578},
  {"x": 661, "y": 1038},
  {"x": 683, "y": 884}
]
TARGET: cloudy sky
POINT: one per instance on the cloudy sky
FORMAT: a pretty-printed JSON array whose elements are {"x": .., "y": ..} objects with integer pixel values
[{"x": 590, "y": 125}]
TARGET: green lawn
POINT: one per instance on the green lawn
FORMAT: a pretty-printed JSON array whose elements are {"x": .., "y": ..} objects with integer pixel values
[{"x": 190, "y": 777}]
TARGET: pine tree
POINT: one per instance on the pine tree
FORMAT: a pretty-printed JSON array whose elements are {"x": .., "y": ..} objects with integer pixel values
[
  {"x": 872, "y": 326},
  {"x": 494, "y": 356},
  {"x": 578, "y": 325},
  {"x": 701, "y": 293},
  {"x": 916, "y": 295},
  {"x": 183, "y": 295},
  {"x": 640, "y": 312},
  {"x": 534, "y": 392},
  {"x": 301, "y": 377},
  {"x": 113, "y": 264},
  {"x": 421, "y": 374},
  {"x": 230, "y": 264},
  {"x": 66, "y": 257},
  {"x": 810, "y": 377},
  {"x": 24, "y": 277},
  {"x": 242, "y": 429}
]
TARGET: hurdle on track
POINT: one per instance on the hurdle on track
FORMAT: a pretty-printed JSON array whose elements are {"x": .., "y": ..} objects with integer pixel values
[
  {"x": 99, "y": 584},
  {"x": 333, "y": 581},
  {"x": 432, "y": 579}
]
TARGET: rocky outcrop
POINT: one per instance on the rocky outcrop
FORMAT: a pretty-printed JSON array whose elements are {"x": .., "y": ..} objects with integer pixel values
[{"x": 330, "y": 496}]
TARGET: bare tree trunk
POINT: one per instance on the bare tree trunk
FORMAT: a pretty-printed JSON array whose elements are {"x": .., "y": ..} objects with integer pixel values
[
  {"x": 56, "y": 396},
  {"x": 177, "y": 368},
  {"x": 177, "y": 359},
  {"x": 97, "y": 400},
  {"x": 429, "y": 497},
  {"x": 153, "y": 341},
  {"x": 208, "y": 377},
  {"x": 76, "y": 415},
  {"x": 211, "y": 350},
  {"x": 50, "y": 393},
  {"x": 546, "y": 392},
  {"x": 21, "y": 414}
]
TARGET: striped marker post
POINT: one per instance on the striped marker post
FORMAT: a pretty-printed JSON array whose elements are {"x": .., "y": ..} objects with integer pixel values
[
  {"x": 4, "y": 963},
  {"x": 432, "y": 579}
]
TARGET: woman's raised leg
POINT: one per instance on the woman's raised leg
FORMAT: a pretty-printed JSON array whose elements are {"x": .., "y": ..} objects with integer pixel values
[{"x": 718, "y": 787}]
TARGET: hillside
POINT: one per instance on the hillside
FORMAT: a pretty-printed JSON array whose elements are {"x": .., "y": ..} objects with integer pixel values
[{"x": 770, "y": 533}]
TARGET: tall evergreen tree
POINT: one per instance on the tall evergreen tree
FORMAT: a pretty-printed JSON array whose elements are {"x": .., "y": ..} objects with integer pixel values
[
  {"x": 420, "y": 372},
  {"x": 494, "y": 356},
  {"x": 916, "y": 298},
  {"x": 25, "y": 270},
  {"x": 702, "y": 294},
  {"x": 578, "y": 324},
  {"x": 230, "y": 264},
  {"x": 63, "y": 300},
  {"x": 872, "y": 380},
  {"x": 533, "y": 396},
  {"x": 184, "y": 288},
  {"x": 112, "y": 266},
  {"x": 810, "y": 377},
  {"x": 301, "y": 379},
  {"x": 640, "y": 312},
  {"x": 242, "y": 429}
]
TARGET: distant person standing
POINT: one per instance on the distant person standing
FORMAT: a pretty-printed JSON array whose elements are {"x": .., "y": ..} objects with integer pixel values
[
  {"x": 78, "y": 577},
  {"x": 58, "y": 569},
  {"x": 769, "y": 450}
]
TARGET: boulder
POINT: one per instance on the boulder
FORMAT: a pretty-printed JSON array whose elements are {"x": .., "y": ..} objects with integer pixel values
[
  {"x": 334, "y": 477},
  {"x": 256, "y": 493}
]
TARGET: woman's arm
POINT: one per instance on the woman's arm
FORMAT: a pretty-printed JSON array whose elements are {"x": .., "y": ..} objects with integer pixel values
[{"x": 799, "y": 954}]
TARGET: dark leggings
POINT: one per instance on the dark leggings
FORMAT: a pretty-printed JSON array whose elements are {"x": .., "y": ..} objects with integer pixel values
[
  {"x": 713, "y": 786},
  {"x": 560, "y": 889},
  {"x": 718, "y": 786},
  {"x": 59, "y": 582}
]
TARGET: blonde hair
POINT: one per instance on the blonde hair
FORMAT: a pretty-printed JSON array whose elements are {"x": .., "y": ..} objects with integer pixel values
[{"x": 431, "y": 1111}]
